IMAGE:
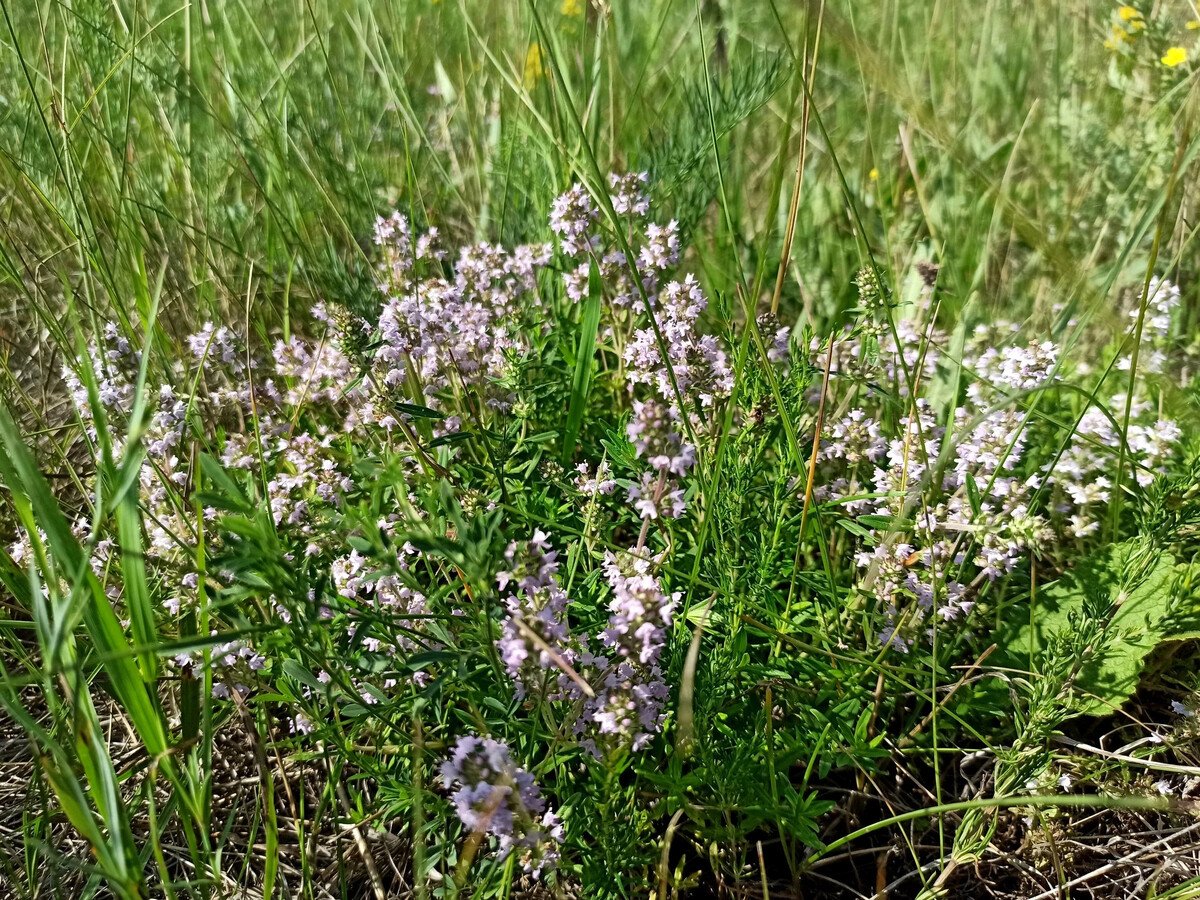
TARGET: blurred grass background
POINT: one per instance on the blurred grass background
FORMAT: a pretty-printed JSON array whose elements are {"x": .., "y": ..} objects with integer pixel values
[{"x": 239, "y": 151}]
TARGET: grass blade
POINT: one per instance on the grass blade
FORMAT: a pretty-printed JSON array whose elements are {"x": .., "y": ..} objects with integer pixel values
[{"x": 584, "y": 363}]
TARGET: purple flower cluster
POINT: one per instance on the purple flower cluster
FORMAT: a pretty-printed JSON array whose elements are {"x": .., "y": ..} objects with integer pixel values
[
  {"x": 493, "y": 795},
  {"x": 1014, "y": 369},
  {"x": 314, "y": 374},
  {"x": 619, "y": 688},
  {"x": 631, "y": 692},
  {"x": 439, "y": 335},
  {"x": 959, "y": 485},
  {"x": 1162, "y": 299},
  {"x": 664, "y": 350},
  {"x": 235, "y": 667},
  {"x": 572, "y": 217},
  {"x": 854, "y": 438},
  {"x": 114, "y": 366},
  {"x": 575, "y": 219},
  {"x": 403, "y": 249},
  {"x": 1082, "y": 477},
  {"x": 589, "y": 484},
  {"x": 901, "y": 360},
  {"x": 629, "y": 197},
  {"x": 701, "y": 375},
  {"x": 536, "y": 639},
  {"x": 306, "y": 471},
  {"x": 697, "y": 361},
  {"x": 968, "y": 485},
  {"x": 396, "y": 628}
]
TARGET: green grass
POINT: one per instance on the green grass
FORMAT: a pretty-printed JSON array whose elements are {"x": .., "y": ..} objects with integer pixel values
[{"x": 867, "y": 171}]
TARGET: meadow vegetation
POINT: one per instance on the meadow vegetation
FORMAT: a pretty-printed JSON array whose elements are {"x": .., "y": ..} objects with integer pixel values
[{"x": 597, "y": 449}]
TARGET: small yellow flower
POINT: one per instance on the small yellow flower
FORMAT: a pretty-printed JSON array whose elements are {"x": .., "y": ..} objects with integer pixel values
[
  {"x": 1128, "y": 14},
  {"x": 1193, "y": 25},
  {"x": 572, "y": 8},
  {"x": 873, "y": 174},
  {"x": 533, "y": 65},
  {"x": 1173, "y": 57}
]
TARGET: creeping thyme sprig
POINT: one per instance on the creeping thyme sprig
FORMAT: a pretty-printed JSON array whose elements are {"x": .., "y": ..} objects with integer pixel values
[{"x": 492, "y": 795}]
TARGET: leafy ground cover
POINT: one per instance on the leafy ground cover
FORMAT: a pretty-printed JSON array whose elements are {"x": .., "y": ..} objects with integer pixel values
[{"x": 598, "y": 450}]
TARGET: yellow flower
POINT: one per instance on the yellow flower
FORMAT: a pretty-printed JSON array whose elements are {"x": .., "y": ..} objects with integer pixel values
[
  {"x": 1119, "y": 36},
  {"x": 1193, "y": 25},
  {"x": 533, "y": 65},
  {"x": 873, "y": 174},
  {"x": 1174, "y": 57},
  {"x": 572, "y": 8},
  {"x": 1128, "y": 14}
]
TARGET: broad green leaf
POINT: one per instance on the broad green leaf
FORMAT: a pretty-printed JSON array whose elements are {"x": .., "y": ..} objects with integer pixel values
[{"x": 1132, "y": 590}]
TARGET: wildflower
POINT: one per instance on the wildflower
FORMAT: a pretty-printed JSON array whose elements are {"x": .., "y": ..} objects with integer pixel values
[
  {"x": 572, "y": 8},
  {"x": 114, "y": 365},
  {"x": 591, "y": 485},
  {"x": 628, "y": 709},
  {"x": 234, "y": 664},
  {"x": 535, "y": 635},
  {"x": 1162, "y": 299},
  {"x": 1080, "y": 473},
  {"x": 655, "y": 498},
  {"x": 1175, "y": 56},
  {"x": 492, "y": 795},
  {"x": 641, "y": 612},
  {"x": 398, "y": 608},
  {"x": 661, "y": 250},
  {"x": 655, "y": 436},
  {"x": 1128, "y": 13},
  {"x": 1014, "y": 369},
  {"x": 533, "y": 71},
  {"x": 317, "y": 374},
  {"x": 854, "y": 438},
  {"x": 571, "y": 216},
  {"x": 441, "y": 333},
  {"x": 780, "y": 347},
  {"x": 698, "y": 363},
  {"x": 1181, "y": 710},
  {"x": 629, "y": 193}
]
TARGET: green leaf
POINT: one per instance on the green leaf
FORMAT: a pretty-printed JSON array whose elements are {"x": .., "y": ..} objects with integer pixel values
[
  {"x": 856, "y": 529},
  {"x": 1184, "y": 621},
  {"x": 228, "y": 491},
  {"x": 301, "y": 674},
  {"x": 585, "y": 352},
  {"x": 973, "y": 495},
  {"x": 884, "y": 523},
  {"x": 454, "y": 437},
  {"x": 133, "y": 570},
  {"x": 419, "y": 412},
  {"x": 20, "y": 472},
  {"x": 1125, "y": 585}
]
